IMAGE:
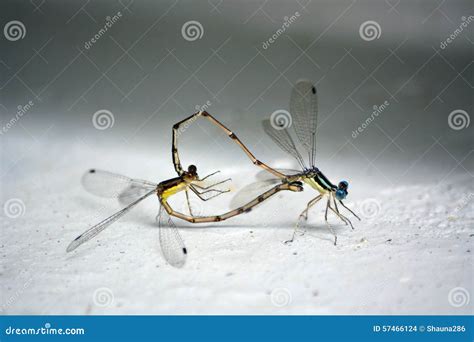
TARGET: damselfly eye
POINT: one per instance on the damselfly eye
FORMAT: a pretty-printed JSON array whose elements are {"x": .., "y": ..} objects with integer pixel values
[
  {"x": 341, "y": 194},
  {"x": 343, "y": 185},
  {"x": 192, "y": 169}
]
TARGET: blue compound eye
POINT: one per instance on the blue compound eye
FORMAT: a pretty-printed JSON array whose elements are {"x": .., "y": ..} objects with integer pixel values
[
  {"x": 341, "y": 194},
  {"x": 343, "y": 185}
]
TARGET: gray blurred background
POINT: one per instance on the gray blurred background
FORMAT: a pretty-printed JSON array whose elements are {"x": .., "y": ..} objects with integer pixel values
[{"x": 148, "y": 73}]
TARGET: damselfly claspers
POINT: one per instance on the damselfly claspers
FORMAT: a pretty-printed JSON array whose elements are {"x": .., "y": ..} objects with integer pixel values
[{"x": 304, "y": 117}]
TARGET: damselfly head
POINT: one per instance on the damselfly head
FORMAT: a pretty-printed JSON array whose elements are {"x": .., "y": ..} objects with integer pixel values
[
  {"x": 341, "y": 192},
  {"x": 192, "y": 170}
]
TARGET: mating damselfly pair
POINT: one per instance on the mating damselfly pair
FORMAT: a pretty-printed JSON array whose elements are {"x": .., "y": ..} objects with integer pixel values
[{"x": 304, "y": 111}]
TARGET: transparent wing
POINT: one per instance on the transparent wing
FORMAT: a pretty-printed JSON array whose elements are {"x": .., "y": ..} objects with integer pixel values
[
  {"x": 251, "y": 191},
  {"x": 171, "y": 243},
  {"x": 111, "y": 185},
  {"x": 265, "y": 175},
  {"x": 284, "y": 140},
  {"x": 304, "y": 111},
  {"x": 265, "y": 181},
  {"x": 99, "y": 227}
]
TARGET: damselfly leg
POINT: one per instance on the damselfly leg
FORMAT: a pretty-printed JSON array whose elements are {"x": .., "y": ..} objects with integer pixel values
[
  {"x": 201, "y": 189},
  {"x": 341, "y": 216},
  {"x": 304, "y": 213},
  {"x": 328, "y": 205},
  {"x": 349, "y": 210}
]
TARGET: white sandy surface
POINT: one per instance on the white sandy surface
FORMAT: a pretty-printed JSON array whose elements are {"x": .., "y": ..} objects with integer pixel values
[{"x": 412, "y": 247}]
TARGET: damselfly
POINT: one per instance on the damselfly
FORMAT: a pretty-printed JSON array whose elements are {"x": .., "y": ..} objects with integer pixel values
[
  {"x": 133, "y": 191},
  {"x": 304, "y": 115}
]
